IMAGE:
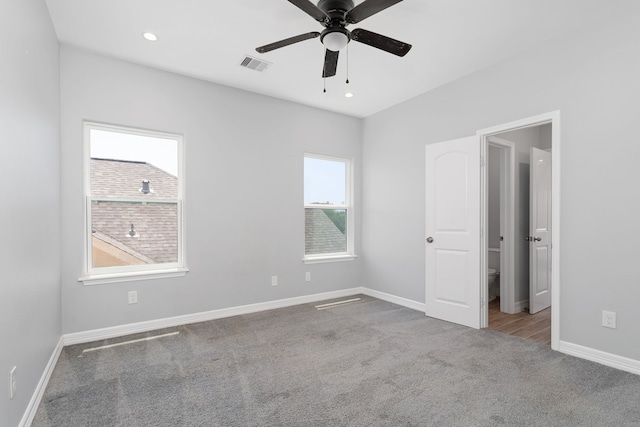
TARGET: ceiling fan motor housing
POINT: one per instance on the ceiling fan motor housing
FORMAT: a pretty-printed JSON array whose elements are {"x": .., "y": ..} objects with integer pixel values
[{"x": 336, "y": 10}]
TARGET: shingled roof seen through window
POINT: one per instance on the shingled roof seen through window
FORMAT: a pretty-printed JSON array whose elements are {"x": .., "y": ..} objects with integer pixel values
[{"x": 156, "y": 224}]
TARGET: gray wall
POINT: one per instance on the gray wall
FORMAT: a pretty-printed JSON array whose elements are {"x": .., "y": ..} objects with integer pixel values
[
  {"x": 30, "y": 200},
  {"x": 244, "y": 192},
  {"x": 591, "y": 77}
]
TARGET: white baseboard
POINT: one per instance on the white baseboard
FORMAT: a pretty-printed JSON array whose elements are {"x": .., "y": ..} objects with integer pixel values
[
  {"x": 134, "y": 328},
  {"x": 520, "y": 305},
  {"x": 602, "y": 357},
  {"x": 32, "y": 407},
  {"x": 415, "y": 305}
]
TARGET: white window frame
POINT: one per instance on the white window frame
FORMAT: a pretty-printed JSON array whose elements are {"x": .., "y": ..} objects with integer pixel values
[
  {"x": 349, "y": 255},
  {"x": 116, "y": 274}
]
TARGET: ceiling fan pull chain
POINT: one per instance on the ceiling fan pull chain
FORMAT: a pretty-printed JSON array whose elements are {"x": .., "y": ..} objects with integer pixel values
[
  {"x": 347, "y": 64},
  {"x": 324, "y": 82}
]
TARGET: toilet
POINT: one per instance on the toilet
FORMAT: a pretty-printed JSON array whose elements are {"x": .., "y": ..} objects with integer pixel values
[{"x": 493, "y": 291}]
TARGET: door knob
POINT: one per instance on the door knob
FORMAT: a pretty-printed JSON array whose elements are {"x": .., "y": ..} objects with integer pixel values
[
  {"x": 429, "y": 239},
  {"x": 527, "y": 238},
  {"x": 537, "y": 239}
]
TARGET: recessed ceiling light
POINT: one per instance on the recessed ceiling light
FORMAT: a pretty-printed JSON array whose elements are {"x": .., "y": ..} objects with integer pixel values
[
  {"x": 348, "y": 95},
  {"x": 150, "y": 36}
]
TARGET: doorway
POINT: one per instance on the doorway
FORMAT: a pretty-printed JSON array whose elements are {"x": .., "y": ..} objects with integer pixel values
[
  {"x": 518, "y": 245},
  {"x": 519, "y": 219}
]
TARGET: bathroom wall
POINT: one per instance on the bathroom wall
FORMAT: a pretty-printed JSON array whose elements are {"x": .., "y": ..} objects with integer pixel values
[{"x": 493, "y": 206}]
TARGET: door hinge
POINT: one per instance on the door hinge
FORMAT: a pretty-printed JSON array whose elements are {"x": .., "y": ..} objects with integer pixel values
[{"x": 482, "y": 162}]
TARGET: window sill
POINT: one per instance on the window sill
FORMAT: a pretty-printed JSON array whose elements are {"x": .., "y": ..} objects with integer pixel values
[
  {"x": 101, "y": 279},
  {"x": 328, "y": 258}
]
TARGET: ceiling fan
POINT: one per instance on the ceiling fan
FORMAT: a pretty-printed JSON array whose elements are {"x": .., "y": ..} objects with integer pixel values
[{"x": 335, "y": 15}]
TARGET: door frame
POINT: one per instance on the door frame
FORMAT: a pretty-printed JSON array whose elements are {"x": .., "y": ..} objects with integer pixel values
[{"x": 553, "y": 118}]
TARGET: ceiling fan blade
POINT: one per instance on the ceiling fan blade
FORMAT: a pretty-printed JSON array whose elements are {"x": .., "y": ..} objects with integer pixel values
[
  {"x": 368, "y": 8},
  {"x": 287, "y": 42},
  {"x": 381, "y": 42},
  {"x": 330, "y": 63},
  {"x": 311, "y": 9}
]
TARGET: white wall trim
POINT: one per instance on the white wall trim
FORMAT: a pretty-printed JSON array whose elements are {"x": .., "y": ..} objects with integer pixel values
[
  {"x": 415, "y": 305},
  {"x": 519, "y": 306},
  {"x": 32, "y": 407},
  {"x": 602, "y": 357},
  {"x": 133, "y": 328}
]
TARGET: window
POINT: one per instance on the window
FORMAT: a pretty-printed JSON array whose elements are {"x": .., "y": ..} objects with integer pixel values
[
  {"x": 328, "y": 231},
  {"x": 133, "y": 189}
]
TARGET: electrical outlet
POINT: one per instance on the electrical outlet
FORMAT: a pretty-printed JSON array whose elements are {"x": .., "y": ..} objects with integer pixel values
[
  {"x": 133, "y": 297},
  {"x": 307, "y": 276},
  {"x": 274, "y": 280},
  {"x": 12, "y": 382},
  {"x": 609, "y": 319}
]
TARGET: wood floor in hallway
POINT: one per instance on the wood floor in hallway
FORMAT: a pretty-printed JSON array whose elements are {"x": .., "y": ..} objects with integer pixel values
[{"x": 533, "y": 327}]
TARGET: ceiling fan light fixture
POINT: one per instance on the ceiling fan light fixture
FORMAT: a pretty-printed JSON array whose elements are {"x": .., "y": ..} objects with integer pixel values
[{"x": 335, "y": 40}]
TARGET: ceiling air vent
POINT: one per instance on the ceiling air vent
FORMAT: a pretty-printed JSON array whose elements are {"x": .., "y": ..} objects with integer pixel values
[{"x": 254, "y": 64}]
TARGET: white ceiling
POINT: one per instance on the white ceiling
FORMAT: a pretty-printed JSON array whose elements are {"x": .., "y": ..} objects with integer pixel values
[{"x": 207, "y": 39}]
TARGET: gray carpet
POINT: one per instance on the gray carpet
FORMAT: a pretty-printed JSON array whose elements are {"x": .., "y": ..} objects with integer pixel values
[{"x": 369, "y": 363}]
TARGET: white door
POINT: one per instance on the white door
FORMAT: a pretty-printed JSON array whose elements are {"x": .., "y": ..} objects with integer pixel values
[
  {"x": 540, "y": 231},
  {"x": 453, "y": 231}
]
